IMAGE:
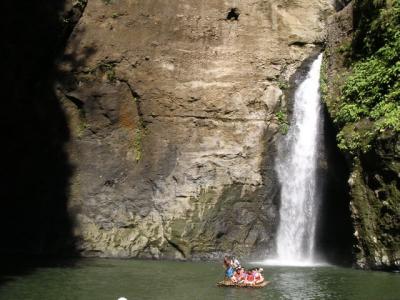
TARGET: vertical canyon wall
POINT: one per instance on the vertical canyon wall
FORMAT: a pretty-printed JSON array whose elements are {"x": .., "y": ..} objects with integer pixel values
[
  {"x": 174, "y": 108},
  {"x": 368, "y": 135}
]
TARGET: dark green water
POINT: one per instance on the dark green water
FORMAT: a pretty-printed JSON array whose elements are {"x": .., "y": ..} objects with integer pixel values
[{"x": 110, "y": 279}]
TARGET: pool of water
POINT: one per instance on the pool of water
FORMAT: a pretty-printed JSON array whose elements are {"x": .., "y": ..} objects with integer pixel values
[{"x": 134, "y": 279}]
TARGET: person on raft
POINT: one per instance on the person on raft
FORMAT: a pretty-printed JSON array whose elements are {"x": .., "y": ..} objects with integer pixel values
[
  {"x": 251, "y": 277},
  {"x": 229, "y": 269},
  {"x": 255, "y": 276},
  {"x": 235, "y": 263},
  {"x": 236, "y": 274}
]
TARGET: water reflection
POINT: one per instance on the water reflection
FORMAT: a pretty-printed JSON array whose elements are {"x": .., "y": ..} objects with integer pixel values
[
  {"x": 302, "y": 283},
  {"x": 110, "y": 279}
]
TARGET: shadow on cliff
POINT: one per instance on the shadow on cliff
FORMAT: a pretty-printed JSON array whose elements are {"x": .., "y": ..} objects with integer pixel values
[
  {"x": 335, "y": 232},
  {"x": 34, "y": 164}
]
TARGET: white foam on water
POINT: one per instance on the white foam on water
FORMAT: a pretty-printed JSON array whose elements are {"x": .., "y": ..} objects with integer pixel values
[{"x": 294, "y": 263}]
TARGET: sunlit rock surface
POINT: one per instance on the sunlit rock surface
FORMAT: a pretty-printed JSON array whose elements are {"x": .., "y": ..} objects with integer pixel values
[{"x": 172, "y": 105}]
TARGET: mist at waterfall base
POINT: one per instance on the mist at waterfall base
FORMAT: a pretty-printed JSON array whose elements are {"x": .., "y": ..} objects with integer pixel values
[{"x": 296, "y": 166}]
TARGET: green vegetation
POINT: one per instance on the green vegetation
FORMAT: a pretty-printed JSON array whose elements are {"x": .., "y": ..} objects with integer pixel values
[
  {"x": 370, "y": 96},
  {"x": 104, "y": 69},
  {"x": 83, "y": 125},
  {"x": 108, "y": 68},
  {"x": 80, "y": 3},
  {"x": 344, "y": 48},
  {"x": 283, "y": 121},
  {"x": 360, "y": 85},
  {"x": 323, "y": 81},
  {"x": 283, "y": 85},
  {"x": 116, "y": 15}
]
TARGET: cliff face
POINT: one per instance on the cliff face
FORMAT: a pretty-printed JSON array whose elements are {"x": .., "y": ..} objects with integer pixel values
[
  {"x": 171, "y": 107},
  {"x": 368, "y": 136},
  {"x": 35, "y": 166}
]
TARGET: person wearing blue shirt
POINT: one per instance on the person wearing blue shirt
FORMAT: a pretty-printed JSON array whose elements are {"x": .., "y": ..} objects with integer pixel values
[{"x": 229, "y": 269}]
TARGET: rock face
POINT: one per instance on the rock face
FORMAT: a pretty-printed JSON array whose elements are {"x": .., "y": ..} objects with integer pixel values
[
  {"x": 35, "y": 167},
  {"x": 171, "y": 107},
  {"x": 374, "y": 174}
]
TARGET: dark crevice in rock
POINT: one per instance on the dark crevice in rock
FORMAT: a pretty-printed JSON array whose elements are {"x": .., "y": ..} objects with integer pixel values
[
  {"x": 137, "y": 99},
  {"x": 176, "y": 247},
  {"x": 208, "y": 118},
  {"x": 71, "y": 18},
  {"x": 340, "y": 4},
  {"x": 233, "y": 14},
  {"x": 109, "y": 183},
  {"x": 334, "y": 230},
  {"x": 219, "y": 235},
  {"x": 78, "y": 103},
  {"x": 304, "y": 43},
  {"x": 298, "y": 43}
]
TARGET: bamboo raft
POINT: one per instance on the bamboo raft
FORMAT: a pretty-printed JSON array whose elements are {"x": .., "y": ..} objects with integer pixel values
[{"x": 225, "y": 283}]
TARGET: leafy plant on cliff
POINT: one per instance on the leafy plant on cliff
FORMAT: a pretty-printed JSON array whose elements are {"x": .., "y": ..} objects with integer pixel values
[
  {"x": 282, "y": 121},
  {"x": 283, "y": 85},
  {"x": 108, "y": 68},
  {"x": 80, "y": 3},
  {"x": 371, "y": 94}
]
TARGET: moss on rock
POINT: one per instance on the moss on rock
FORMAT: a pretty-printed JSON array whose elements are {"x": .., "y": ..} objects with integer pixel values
[{"x": 361, "y": 100}]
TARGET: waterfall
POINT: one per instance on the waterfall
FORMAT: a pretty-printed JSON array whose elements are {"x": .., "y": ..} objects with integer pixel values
[{"x": 296, "y": 169}]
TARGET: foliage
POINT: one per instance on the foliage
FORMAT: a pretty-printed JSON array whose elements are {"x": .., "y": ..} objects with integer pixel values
[
  {"x": 83, "y": 125},
  {"x": 344, "y": 48},
  {"x": 108, "y": 68},
  {"x": 372, "y": 91},
  {"x": 355, "y": 138},
  {"x": 326, "y": 96},
  {"x": 377, "y": 23},
  {"x": 80, "y": 3},
  {"x": 282, "y": 121},
  {"x": 323, "y": 81},
  {"x": 283, "y": 85}
]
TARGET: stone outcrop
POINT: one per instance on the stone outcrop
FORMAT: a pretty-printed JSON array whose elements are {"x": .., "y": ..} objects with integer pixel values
[
  {"x": 374, "y": 178},
  {"x": 171, "y": 107}
]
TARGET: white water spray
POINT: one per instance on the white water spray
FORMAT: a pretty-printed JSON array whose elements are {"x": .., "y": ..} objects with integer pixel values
[{"x": 296, "y": 168}]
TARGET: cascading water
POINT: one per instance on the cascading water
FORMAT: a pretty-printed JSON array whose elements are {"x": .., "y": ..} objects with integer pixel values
[{"x": 296, "y": 168}]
